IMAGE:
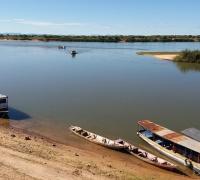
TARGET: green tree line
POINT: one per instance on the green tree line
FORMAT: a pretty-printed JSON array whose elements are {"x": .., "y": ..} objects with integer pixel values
[{"x": 106, "y": 38}]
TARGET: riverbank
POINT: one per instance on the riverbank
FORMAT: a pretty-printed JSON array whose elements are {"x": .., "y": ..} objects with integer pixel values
[
  {"x": 27, "y": 155},
  {"x": 161, "y": 55}
]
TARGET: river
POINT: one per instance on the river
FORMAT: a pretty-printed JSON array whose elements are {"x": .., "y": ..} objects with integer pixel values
[{"x": 106, "y": 88}]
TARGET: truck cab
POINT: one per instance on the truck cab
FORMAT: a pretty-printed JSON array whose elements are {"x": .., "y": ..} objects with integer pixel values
[{"x": 3, "y": 104}]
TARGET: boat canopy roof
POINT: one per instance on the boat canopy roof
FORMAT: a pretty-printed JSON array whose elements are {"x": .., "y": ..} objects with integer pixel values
[
  {"x": 170, "y": 135},
  {"x": 193, "y": 133},
  {"x": 2, "y": 96}
]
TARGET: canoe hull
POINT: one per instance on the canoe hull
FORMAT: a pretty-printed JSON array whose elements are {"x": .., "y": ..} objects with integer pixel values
[
  {"x": 99, "y": 140},
  {"x": 169, "y": 168},
  {"x": 150, "y": 158}
]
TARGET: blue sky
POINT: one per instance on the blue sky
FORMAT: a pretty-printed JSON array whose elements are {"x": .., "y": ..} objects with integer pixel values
[{"x": 105, "y": 17}]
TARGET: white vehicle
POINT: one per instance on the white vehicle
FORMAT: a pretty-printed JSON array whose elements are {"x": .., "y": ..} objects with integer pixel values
[{"x": 3, "y": 104}]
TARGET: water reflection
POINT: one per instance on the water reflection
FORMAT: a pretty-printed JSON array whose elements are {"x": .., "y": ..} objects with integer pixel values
[
  {"x": 15, "y": 114},
  {"x": 106, "y": 89},
  {"x": 187, "y": 67},
  {"x": 73, "y": 55}
]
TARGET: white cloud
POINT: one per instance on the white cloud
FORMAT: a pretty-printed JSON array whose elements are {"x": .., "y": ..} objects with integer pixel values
[{"x": 40, "y": 23}]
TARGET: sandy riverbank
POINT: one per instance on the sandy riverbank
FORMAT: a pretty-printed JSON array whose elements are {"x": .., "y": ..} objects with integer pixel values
[
  {"x": 29, "y": 156},
  {"x": 169, "y": 57},
  {"x": 161, "y": 55}
]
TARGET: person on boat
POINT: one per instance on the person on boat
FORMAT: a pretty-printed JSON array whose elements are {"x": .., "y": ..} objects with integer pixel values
[{"x": 189, "y": 163}]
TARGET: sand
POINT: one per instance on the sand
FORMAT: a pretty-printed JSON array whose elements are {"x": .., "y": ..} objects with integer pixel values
[
  {"x": 165, "y": 56},
  {"x": 27, "y": 156},
  {"x": 160, "y": 55}
]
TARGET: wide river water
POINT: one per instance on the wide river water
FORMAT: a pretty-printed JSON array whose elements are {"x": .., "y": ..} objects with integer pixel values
[{"x": 106, "y": 88}]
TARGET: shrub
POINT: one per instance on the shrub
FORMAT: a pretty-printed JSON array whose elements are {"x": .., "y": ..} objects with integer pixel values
[{"x": 188, "y": 56}]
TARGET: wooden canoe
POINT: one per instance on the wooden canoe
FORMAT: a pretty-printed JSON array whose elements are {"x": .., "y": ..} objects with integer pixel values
[
  {"x": 148, "y": 157},
  {"x": 97, "y": 139},
  {"x": 124, "y": 146}
]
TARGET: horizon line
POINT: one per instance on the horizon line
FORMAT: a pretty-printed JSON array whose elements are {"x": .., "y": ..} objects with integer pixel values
[{"x": 10, "y": 33}]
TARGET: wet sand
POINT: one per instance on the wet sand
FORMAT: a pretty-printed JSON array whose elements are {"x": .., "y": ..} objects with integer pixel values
[{"x": 26, "y": 155}]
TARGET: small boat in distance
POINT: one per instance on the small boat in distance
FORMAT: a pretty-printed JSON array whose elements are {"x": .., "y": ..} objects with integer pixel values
[
  {"x": 176, "y": 146},
  {"x": 61, "y": 47},
  {"x": 97, "y": 139},
  {"x": 148, "y": 157},
  {"x": 73, "y": 52},
  {"x": 3, "y": 104}
]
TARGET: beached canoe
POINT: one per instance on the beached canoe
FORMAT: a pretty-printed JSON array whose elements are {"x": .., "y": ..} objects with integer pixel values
[
  {"x": 97, "y": 139},
  {"x": 147, "y": 157},
  {"x": 124, "y": 146}
]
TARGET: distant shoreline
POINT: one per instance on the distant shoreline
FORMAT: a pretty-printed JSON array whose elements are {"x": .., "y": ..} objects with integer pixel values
[{"x": 102, "y": 38}]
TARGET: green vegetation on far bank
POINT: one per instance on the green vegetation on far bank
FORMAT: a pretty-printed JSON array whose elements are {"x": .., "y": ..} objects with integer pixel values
[{"x": 101, "y": 38}]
